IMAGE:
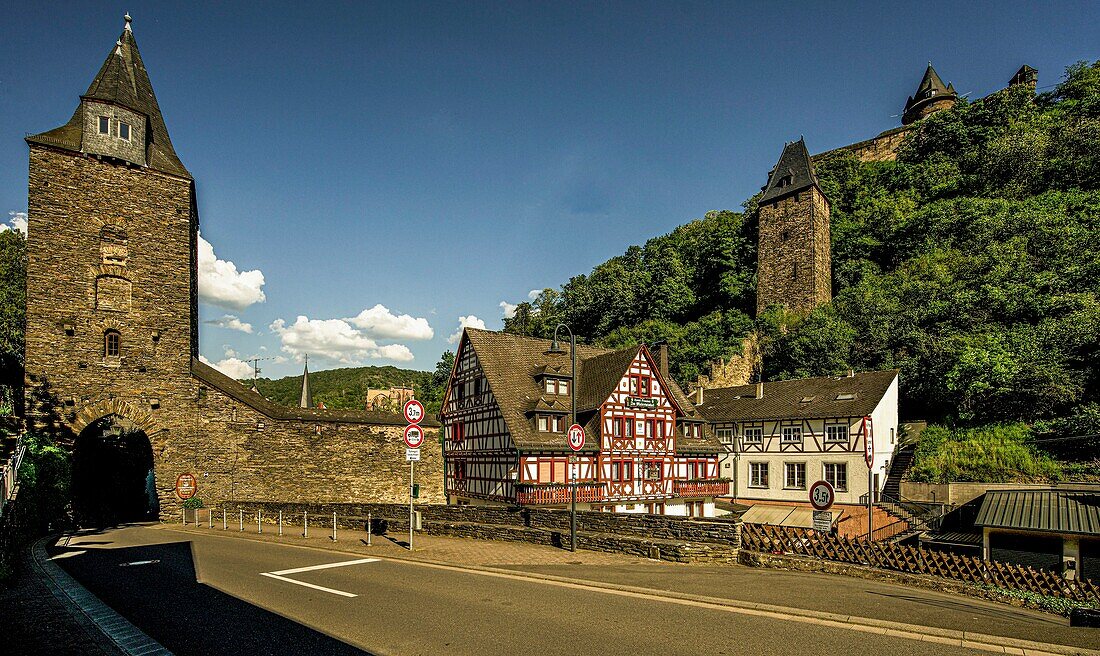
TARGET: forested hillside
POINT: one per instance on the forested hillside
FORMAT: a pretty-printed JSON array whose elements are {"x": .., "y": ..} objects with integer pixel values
[{"x": 971, "y": 264}]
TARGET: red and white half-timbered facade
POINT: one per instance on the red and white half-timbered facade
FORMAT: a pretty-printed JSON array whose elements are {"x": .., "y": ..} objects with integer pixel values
[{"x": 506, "y": 414}]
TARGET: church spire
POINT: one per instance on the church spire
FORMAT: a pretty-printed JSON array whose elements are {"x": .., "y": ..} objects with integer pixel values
[
  {"x": 118, "y": 116},
  {"x": 307, "y": 396}
]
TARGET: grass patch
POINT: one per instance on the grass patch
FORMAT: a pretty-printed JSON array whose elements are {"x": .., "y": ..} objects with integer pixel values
[{"x": 1000, "y": 453}]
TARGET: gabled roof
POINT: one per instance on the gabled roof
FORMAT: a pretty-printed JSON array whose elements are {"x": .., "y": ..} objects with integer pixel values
[
  {"x": 122, "y": 80},
  {"x": 800, "y": 398},
  {"x": 512, "y": 365},
  {"x": 1048, "y": 511},
  {"x": 792, "y": 173},
  {"x": 231, "y": 388}
]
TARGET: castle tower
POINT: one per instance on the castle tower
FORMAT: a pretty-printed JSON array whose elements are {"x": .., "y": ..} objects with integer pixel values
[
  {"x": 794, "y": 264},
  {"x": 931, "y": 96},
  {"x": 1026, "y": 76},
  {"x": 111, "y": 272}
]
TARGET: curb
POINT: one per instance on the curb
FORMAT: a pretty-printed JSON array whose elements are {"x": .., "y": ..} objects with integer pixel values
[
  {"x": 120, "y": 634},
  {"x": 953, "y": 637}
]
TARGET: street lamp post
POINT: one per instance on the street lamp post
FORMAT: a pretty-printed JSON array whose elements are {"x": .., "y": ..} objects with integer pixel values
[{"x": 555, "y": 348}]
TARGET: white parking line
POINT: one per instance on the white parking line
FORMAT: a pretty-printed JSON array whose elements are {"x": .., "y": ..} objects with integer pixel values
[{"x": 280, "y": 575}]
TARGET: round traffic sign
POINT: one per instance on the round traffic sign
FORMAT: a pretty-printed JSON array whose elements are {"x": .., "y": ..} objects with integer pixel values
[
  {"x": 414, "y": 436},
  {"x": 822, "y": 495},
  {"x": 576, "y": 437},
  {"x": 186, "y": 486},
  {"x": 414, "y": 411}
]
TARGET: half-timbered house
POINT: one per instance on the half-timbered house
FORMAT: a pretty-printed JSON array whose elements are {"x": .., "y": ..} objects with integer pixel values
[
  {"x": 507, "y": 410},
  {"x": 780, "y": 437}
]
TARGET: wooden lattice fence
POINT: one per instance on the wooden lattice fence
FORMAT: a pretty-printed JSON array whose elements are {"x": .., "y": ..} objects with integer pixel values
[{"x": 913, "y": 560}]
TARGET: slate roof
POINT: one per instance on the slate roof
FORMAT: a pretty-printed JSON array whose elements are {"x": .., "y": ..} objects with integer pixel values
[
  {"x": 800, "y": 398},
  {"x": 219, "y": 381},
  {"x": 122, "y": 80},
  {"x": 794, "y": 162},
  {"x": 1048, "y": 511},
  {"x": 306, "y": 400},
  {"x": 513, "y": 364},
  {"x": 929, "y": 83}
]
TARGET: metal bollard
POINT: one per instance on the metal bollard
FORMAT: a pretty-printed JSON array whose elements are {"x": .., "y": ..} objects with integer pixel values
[
  {"x": 280, "y": 523},
  {"x": 185, "y": 517},
  {"x": 334, "y": 527},
  {"x": 210, "y": 518},
  {"x": 368, "y": 529},
  {"x": 241, "y": 513},
  {"x": 224, "y": 525},
  {"x": 259, "y": 526},
  {"x": 305, "y": 523}
]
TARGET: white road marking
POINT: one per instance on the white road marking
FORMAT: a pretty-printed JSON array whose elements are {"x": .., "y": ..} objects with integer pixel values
[
  {"x": 279, "y": 575},
  {"x": 345, "y": 563}
]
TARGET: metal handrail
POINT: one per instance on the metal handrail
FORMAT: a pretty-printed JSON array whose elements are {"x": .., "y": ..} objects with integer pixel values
[{"x": 9, "y": 474}]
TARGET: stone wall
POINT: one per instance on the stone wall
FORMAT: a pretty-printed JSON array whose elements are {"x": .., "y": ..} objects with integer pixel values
[
  {"x": 881, "y": 148},
  {"x": 197, "y": 421},
  {"x": 956, "y": 494},
  {"x": 794, "y": 261}
]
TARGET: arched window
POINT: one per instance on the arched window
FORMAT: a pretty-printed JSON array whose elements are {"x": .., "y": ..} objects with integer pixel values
[{"x": 112, "y": 344}]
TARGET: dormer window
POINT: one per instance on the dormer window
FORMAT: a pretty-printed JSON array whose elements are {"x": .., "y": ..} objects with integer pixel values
[
  {"x": 124, "y": 131},
  {"x": 785, "y": 181},
  {"x": 550, "y": 423},
  {"x": 556, "y": 386},
  {"x": 105, "y": 125}
]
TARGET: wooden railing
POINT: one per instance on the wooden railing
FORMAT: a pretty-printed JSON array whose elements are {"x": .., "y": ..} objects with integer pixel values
[
  {"x": 701, "y": 488},
  {"x": 533, "y": 494},
  {"x": 889, "y": 555}
]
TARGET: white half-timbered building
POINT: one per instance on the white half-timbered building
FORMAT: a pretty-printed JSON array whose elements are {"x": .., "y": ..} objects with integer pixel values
[
  {"x": 778, "y": 438},
  {"x": 506, "y": 413}
]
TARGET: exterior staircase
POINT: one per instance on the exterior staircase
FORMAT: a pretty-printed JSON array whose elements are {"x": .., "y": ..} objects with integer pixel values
[{"x": 899, "y": 466}]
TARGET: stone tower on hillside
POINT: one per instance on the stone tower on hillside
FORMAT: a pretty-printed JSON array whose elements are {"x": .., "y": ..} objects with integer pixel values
[
  {"x": 930, "y": 97},
  {"x": 111, "y": 278},
  {"x": 794, "y": 264}
]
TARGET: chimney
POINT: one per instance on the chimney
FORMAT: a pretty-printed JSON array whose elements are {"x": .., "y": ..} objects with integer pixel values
[
  {"x": 662, "y": 358},
  {"x": 760, "y": 390},
  {"x": 698, "y": 400}
]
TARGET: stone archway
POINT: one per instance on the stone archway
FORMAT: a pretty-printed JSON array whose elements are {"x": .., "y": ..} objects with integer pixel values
[{"x": 113, "y": 477}]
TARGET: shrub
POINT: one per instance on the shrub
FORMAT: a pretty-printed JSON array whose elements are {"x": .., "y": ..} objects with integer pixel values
[{"x": 1000, "y": 453}]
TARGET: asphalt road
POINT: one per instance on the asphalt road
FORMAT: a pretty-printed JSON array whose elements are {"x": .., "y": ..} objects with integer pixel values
[{"x": 207, "y": 594}]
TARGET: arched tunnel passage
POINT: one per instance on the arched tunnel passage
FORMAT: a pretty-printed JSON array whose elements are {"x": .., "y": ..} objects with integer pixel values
[{"x": 113, "y": 477}]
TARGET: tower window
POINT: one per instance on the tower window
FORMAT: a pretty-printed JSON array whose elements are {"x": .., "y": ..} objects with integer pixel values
[
  {"x": 786, "y": 235},
  {"x": 104, "y": 124},
  {"x": 794, "y": 272},
  {"x": 124, "y": 131},
  {"x": 112, "y": 342}
]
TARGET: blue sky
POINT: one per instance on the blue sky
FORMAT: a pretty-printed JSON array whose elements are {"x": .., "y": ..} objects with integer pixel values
[{"x": 438, "y": 159}]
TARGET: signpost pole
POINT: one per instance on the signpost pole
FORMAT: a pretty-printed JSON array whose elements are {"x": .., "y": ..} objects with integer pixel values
[
  {"x": 870, "y": 505},
  {"x": 869, "y": 458},
  {"x": 412, "y": 468},
  {"x": 414, "y": 437}
]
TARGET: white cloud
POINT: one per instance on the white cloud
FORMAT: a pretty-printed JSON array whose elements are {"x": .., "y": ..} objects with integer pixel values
[
  {"x": 16, "y": 221},
  {"x": 508, "y": 309},
  {"x": 533, "y": 294},
  {"x": 378, "y": 321},
  {"x": 221, "y": 284},
  {"x": 232, "y": 367},
  {"x": 334, "y": 339},
  {"x": 465, "y": 322},
  {"x": 230, "y": 322}
]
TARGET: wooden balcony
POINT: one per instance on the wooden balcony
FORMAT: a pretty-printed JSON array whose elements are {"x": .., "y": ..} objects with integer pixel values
[
  {"x": 704, "y": 488},
  {"x": 535, "y": 494}
]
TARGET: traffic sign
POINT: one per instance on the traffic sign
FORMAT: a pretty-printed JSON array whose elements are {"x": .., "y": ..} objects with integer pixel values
[
  {"x": 823, "y": 521},
  {"x": 412, "y": 454},
  {"x": 186, "y": 486},
  {"x": 414, "y": 411},
  {"x": 414, "y": 436},
  {"x": 822, "y": 495},
  {"x": 868, "y": 442},
  {"x": 576, "y": 437}
]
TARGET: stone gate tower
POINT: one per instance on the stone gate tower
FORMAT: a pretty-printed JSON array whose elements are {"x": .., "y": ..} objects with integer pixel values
[
  {"x": 111, "y": 272},
  {"x": 794, "y": 264}
]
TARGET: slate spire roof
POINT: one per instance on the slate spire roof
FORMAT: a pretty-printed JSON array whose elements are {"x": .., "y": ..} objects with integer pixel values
[
  {"x": 931, "y": 87},
  {"x": 307, "y": 395},
  {"x": 792, "y": 173},
  {"x": 122, "y": 80}
]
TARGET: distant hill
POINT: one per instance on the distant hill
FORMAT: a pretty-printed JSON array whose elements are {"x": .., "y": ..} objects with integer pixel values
[{"x": 343, "y": 388}]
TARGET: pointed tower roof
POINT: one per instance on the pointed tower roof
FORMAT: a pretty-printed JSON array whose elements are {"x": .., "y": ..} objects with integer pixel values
[
  {"x": 307, "y": 396},
  {"x": 931, "y": 88},
  {"x": 122, "y": 80},
  {"x": 792, "y": 173}
]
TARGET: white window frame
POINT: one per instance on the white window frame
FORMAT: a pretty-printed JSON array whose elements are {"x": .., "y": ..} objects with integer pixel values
[
  {"x": 791, "y": 434},
  {"x": 752, "y": 435},
  {"x": 725, "y": 435},
  {"x": 787, "y": 469},
  {"x": 833, "y": 480},
  {"x": 129, "y": 131},
  {"x": 544, "y": 423},
  {"x": 752, "y": 471},
  {"x": 832, "y": 429},
  {"x": 101, "y": 120}
]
